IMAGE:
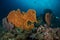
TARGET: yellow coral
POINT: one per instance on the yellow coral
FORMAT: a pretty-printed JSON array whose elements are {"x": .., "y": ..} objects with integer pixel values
[{"x": 21, "y": 19}]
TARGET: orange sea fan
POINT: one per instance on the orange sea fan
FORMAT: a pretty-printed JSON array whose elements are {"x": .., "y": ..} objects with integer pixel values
[
  {"x": 27, "y": 25},
  {"x": 15, "y": 17},
  {"x": 31, "y": 15},
  {"x": 21, "y": 19}
]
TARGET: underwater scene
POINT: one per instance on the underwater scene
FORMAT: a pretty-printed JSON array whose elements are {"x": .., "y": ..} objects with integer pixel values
[{"x": 29, "y": 19}]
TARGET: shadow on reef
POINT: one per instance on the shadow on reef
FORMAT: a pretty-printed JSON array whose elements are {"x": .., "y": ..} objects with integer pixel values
[{"x": 26, "y": 26}]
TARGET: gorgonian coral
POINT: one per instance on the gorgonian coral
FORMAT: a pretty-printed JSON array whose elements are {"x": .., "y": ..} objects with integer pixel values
[
  {"x": 20, "y": 19},
  {"x": 15, "y": 17},
  {"x": 8, "y": 26}
]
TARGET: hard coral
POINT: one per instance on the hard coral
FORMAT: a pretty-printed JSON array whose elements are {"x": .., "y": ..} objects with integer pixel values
[{"x": 21, "y": 19}]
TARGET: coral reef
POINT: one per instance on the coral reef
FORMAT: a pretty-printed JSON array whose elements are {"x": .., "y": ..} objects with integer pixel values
[
  {"x": 42, "y": 33},
  {"x": 26, "y": 26}
]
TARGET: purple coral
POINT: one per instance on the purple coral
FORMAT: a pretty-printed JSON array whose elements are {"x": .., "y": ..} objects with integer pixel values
[{"x": 6, "y": 24}]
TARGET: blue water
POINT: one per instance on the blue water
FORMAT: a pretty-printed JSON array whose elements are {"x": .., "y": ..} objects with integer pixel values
[{"x": 39, "y": 5}]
